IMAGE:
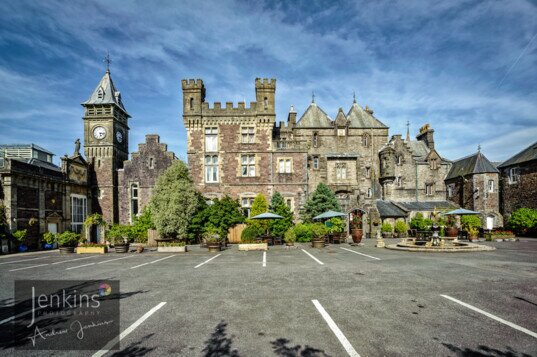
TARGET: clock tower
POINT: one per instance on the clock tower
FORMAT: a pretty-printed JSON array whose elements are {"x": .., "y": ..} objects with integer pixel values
[{"x": 106, "y": 145}]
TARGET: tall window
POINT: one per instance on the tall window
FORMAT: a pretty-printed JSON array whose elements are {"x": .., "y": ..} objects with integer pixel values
[
  {"x": 151, "y": 163},
  {"x": 211, "y": 168},
  {"x": 341, "y": 171},
  {"x": 191, "y": 103},
  {"x": 248, "y": 135},
  {"x": 289, "y": 203},
  {"x": 315, "y": 139},
  {"x": 434, "y": 164},
  {"x": 450, "y": 189},
  {"x": 514, "y": 175},
  {"x": 79, "y": 209},
  {"x": 369, "y": 193},
  {"x": 491, "y": 186},
  {"x": 246, "y": 204},
  {"x": 429, "y": 189},
  {"x": 399, "y": 160},
  {"x": 368, "y": 172},
  {"x": 315, "y": 163},
  {"x": 134, "y": 201},
  {"x": 365, "y": 140},
  {"x": 248, "y": 165},
  {"x": 284, "y": 166},
  {"x": 211, "y": 139},
  {"x": 399, "y": 181}
]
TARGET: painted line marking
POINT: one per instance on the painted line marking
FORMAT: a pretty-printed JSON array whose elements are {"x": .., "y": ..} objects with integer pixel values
[
  {"x": 71, "y": 260},
  {"x": 208, "y": 260},
  {"x": 30, "y": 267},
  {"x": 264, "y": 259},
  {"x": 111, "y": 260},
  {"x": 80, "y": 266},
  {"x": 129, "y": 329},
  {"x": 499, "y": 319},
  {"x": 22, "y": 261},
  {"x": 335, "y": 329},
  {"x": 15, "y": 316},
  {"x": 312, "y": 257},
  {"x": 153, "y": 262},
  {"x": 365, "y": 255}
]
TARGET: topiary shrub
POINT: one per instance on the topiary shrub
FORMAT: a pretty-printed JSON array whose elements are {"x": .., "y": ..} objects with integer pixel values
[
  {"x": 303, "y": 232},
  {"x": 386, "y": 228},
  {"x": 401, "y": 227},
  {"x": 290, "y": 236},
  {"x": 250, "y": 233},
  {"x": 470, "y": 221},
  {"x": 318, "y": 230}
]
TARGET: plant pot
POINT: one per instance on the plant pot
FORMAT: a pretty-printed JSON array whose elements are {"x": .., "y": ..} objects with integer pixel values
[
  {"x": 67, "y": 250},
  {"x": 174, "y": 249},
  {"x": 121, "y": 248},
  {"x": 23, "y": 248},
  {"x": 91, "y": 250},
  {"x": 357, "y": 235},
  {"x": 214, "y": 247},
  {"x": 289, "y": 244},
  {"x": 472, "y": 239},
  {"x": 452, "y": 232},
  {"x": 401, "y": 235},
  {"x": 387, "y": 235},
  {"x": 317, "y": 243}
]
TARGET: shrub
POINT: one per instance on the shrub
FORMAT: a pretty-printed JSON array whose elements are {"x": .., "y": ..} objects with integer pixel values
[
  {"x": 401, "y": 226},
  {"x": 473, "y": 231},
  {"x": 212, "y": 234},
  {"x": 417, "y": 222},
  {"x": 337, "y": 225},
  {"x": 278, "y": 227},
  {"x": 386, "y": 228},
  {"x": 49, "y": 237},
  {"x": 250, "y": 233},
  {"x": 118, "y": 233},
  {"x": 470, "y": 221},
  {"x": 141, "y": 224},
  {"x": 290, "y": 236},
  {"x": 222, "y": 215},
  {"x": 523, "y": 220},
  {"x": 20, "y": 235},
  {"x": 260, "y": 205},
  {"x": 68, "y": 239},
  {"x": 318, "y": 230},
  {"x": 303, "y": 232},
  {"x": 320, "y": 201}
]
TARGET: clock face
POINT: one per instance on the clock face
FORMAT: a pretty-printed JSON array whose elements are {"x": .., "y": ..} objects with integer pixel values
[
  {"x": 99, "y": 132},
  {"x": 119, "y": 136}
]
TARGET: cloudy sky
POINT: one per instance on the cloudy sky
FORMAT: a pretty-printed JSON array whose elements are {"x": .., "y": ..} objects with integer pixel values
[{"x": 468, "y": 68}]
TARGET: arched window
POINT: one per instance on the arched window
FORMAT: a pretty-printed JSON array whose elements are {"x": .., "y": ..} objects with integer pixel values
[
  {"x": 265, "y": 101},
  {"x": 191, "y": 103},
  {"x": 134, "y": 201},
  {"x": 365, "y": 140},
  {"x": 315, "y": 139},
  {"x": 369, "y": 193}
]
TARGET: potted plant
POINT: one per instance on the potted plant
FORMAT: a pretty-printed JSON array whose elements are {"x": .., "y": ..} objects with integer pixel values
[
  {"x": 471, "y": 223},
  {"x": 250, "y": 238},
  {"x": 386, "y": 230},
  {"x": 356, "y": 228},
  {"x": 212, "y": 240},
  {"x": 289, "y": 237},
  {"x": 472, "y": 234},
  {"x": 120, "y": 235},
  {"x": 451, "y": 230},
  {"x": 20, "y": 236},
  {"x": 401, "y": 228},
  {"x": 336, "y": 228},
  {"x": 92, "y": 248},
  {"x": 319, "y": 231},
  {"x": 50, "y": 240},
  {"x": 67, "y": 241},
  {"x": 172, "y": 247}
]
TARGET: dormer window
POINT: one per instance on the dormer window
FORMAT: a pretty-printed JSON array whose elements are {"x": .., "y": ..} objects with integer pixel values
[{"x": 100, "y": 93}]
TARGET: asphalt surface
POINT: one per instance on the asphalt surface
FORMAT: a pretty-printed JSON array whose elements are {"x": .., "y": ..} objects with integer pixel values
[{"x": 395, "y": 305}]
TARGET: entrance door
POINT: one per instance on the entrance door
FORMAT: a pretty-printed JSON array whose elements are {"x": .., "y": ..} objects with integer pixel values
[
  {"x": 52, "y": 228},
  {"x": 490, "y": 222}
]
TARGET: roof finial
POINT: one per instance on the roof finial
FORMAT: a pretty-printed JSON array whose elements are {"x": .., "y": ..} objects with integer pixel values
[
  {"x": 478, "y": 147},
  {"x": 312, "y": 96},
  {"x": 407, "y": 130},
  {"x": 353, "y": 97},
  {"x": 107, "y": 60}
]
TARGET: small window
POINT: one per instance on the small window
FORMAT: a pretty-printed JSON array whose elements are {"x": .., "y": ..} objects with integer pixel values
[
  {"x": 134, "y": 201},
  {"x": 491, "y": 186},
  {"x": 246, "y": 204},
  {"x": 248, "y": 165},
  {"x": 341, "y": 171},
  {"x": 369, "y": 193},
  {"x": 365, "y": 140},
  {"x": 514, "y": 175},
  {"x": 315, "y": 139},
  {"x": 399, "y": 160},
  {"x": 429, "y": 189},
  {"x": 151, "y": 163},
  {"x": 100, "y": 93},
  {"x": 98, "y": 163},
  {"x": 368, "y": 172},
  {"x": 284, "y": 166},
  {"x": 191, "y": 103},
  {"x": 211, "y": 139},
  {"x": 450, "y": 189},
  {"x": 289, "y": 202},
  {"x": 265, "y": 102},
  {"x": 315, "y": 163},
  {"x": 248, "y": 135},
  {"x": 434, "y": 164},
  {"x": 211, "y": 168},
  {"x": 399, "y": 181}
]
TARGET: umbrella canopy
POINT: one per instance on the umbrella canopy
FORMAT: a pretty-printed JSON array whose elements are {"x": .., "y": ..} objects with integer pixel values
[
  {"x": 461, "y": 211},
  {"x": 330, "y": 214},
  {"x": 267, "y": 215}
]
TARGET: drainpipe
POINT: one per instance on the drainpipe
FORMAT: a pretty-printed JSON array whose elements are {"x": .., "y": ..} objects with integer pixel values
[{"x": 417, "y": 195}]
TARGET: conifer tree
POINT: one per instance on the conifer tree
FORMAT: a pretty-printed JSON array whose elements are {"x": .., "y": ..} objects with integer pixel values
[
  {"x": 279, "y": 226},
  {"x": 260, "y": 205},
  {"x": 320, "y": 201}
]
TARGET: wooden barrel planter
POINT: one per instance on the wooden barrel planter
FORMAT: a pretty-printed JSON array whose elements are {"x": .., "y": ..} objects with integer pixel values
[
  {"x": 67, "y": 250},
  {"x": 214, "y": 247},
  {"x": 318, "y": 243},
  {"x": 124, "y": 248},
  {"x": 357, "y": 235}
]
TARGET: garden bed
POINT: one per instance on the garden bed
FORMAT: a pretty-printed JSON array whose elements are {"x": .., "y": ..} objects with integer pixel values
[
  {"x": 172, "y": 249},
  {"x": 253, "y": 246},
  {"x": 92, "y": 250}
]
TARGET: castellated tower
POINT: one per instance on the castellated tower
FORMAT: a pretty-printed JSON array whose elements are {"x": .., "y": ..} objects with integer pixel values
[{"x": 106, "y": 145}]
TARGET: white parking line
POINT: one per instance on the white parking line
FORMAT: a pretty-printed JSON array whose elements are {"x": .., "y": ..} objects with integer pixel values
[
  {"x": 208, "y": 260},
  {"x": 22, "y": 261},
  {"x": 111, "y": 260},
  {"x": 30, "y": 267},
  {"x": 129, "y": 329},
  {"x": 365, "y": 255},
  {"x": 340, "y": 336},
  {"x": 264, "y": 259},
  {"x": 154, "y": 261},
  {"x": 499, "y": 319},
  {"x": 80, "y": 266},
  {"x": 312, "y": 257},
  {"x": 72, "y": 260},
  {"x": 15, "y": 316}
]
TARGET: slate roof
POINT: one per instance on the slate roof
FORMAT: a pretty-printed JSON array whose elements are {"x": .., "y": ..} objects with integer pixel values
[
  {"x": 388, "y": 209},
  {"x": 425, "y": 205},
  {"x": 341, "y": 119},
  {"x": 528, "y": 154},
  {"x": 109, "y": 93},
  {"x": 474, "y": 164},
  {"x": 359, "y": 118},
  {"x": 25, "y": 146},
  {"x": 314, "y": 117},
  {"x": 419, "y": 149},
  {"x": 39, "y": 163}
]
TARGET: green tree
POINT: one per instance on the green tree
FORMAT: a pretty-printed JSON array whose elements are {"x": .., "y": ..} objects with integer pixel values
[
  {"x": 320, "y": 201},
  {"x": 260, "y": 205},
  {"x": 174, "y": 201},
  {"x": 278, "y": 227},
  {"x": 470, "y": 221},
  {"x": 141, "y": 224},
  {"x": 523, "y": 220},
  {"x": 195, "y": 227},
  {"x": 222, "y": 215}
]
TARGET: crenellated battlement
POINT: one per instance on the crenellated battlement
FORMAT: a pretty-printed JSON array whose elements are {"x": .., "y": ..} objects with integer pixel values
[
  {"x": 230, "y": 108},
  {"x": 192, "y": 83},
  {"x": 265, "y": 83}
]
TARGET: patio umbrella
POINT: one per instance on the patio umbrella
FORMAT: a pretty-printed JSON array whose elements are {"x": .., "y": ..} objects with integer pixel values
[
  {"x": 267, "y": 215},
  {"x": 461, "y": 212},
  {"x": 330, "y": 214}
]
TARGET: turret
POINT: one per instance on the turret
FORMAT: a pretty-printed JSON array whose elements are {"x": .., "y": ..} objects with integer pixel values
[
  {"x": 265, "y": 90},
  {"x": 291, "y": 118},
  {"x": 193, "y": 96}
]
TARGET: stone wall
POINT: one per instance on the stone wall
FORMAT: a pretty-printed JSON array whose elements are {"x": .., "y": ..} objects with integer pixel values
[{"x": 522, "y": 194}]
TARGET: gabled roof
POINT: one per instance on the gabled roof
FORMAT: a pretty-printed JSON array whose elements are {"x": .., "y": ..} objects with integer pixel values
[
  {"x": 341, "y": 119},
  {"x": 474, "y": 164},
  {"x": 419, "y": 149},
  {"x": 425, "y": 205},
  {"x": 359, "y": 118},
  {"x": 314, "y": 117},
  {"x": 528, "y": 154},
  {"x": 25, "y": 146},
  {"x": 106, "y": 93},
  {"x": 388, "y": 209}
]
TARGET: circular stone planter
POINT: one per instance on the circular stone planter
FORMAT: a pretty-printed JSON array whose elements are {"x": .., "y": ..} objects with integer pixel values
[
  {"x": 214, "y": 247},
  {"x": 317, "y": 243},
  {"x": 121, "y": 248},
  {"x": 448, "y": 247},
  {"x": 67, "y": 250}
]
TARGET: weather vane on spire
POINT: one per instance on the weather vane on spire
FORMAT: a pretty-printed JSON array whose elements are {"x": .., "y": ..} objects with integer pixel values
[
  {"x": 478, "y": 147},
  {"x": 407, "y": 130},
  {"x": 107, "y": 60},
  {"x": 312, "y": 96},
  {"x": 353, "y": 96}
]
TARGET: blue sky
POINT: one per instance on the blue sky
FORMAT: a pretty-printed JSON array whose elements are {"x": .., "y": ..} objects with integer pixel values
[{"x": 468, "y": 68}]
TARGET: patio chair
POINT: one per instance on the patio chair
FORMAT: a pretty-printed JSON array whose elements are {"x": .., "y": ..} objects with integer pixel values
[{"x": 277, "y": 240}]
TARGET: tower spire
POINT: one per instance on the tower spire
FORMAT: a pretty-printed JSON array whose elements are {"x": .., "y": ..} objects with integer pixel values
[
  {"x": 107, "y": 60},
  {"x": 354, "y": 97},
  {"x": 407, "y": 131},
  {"x": 312, "y": 96},
  {"x": 479, "y": 148}
]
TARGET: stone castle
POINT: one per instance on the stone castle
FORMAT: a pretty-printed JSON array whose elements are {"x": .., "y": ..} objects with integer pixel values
[{"x": 241, "y": 151}]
